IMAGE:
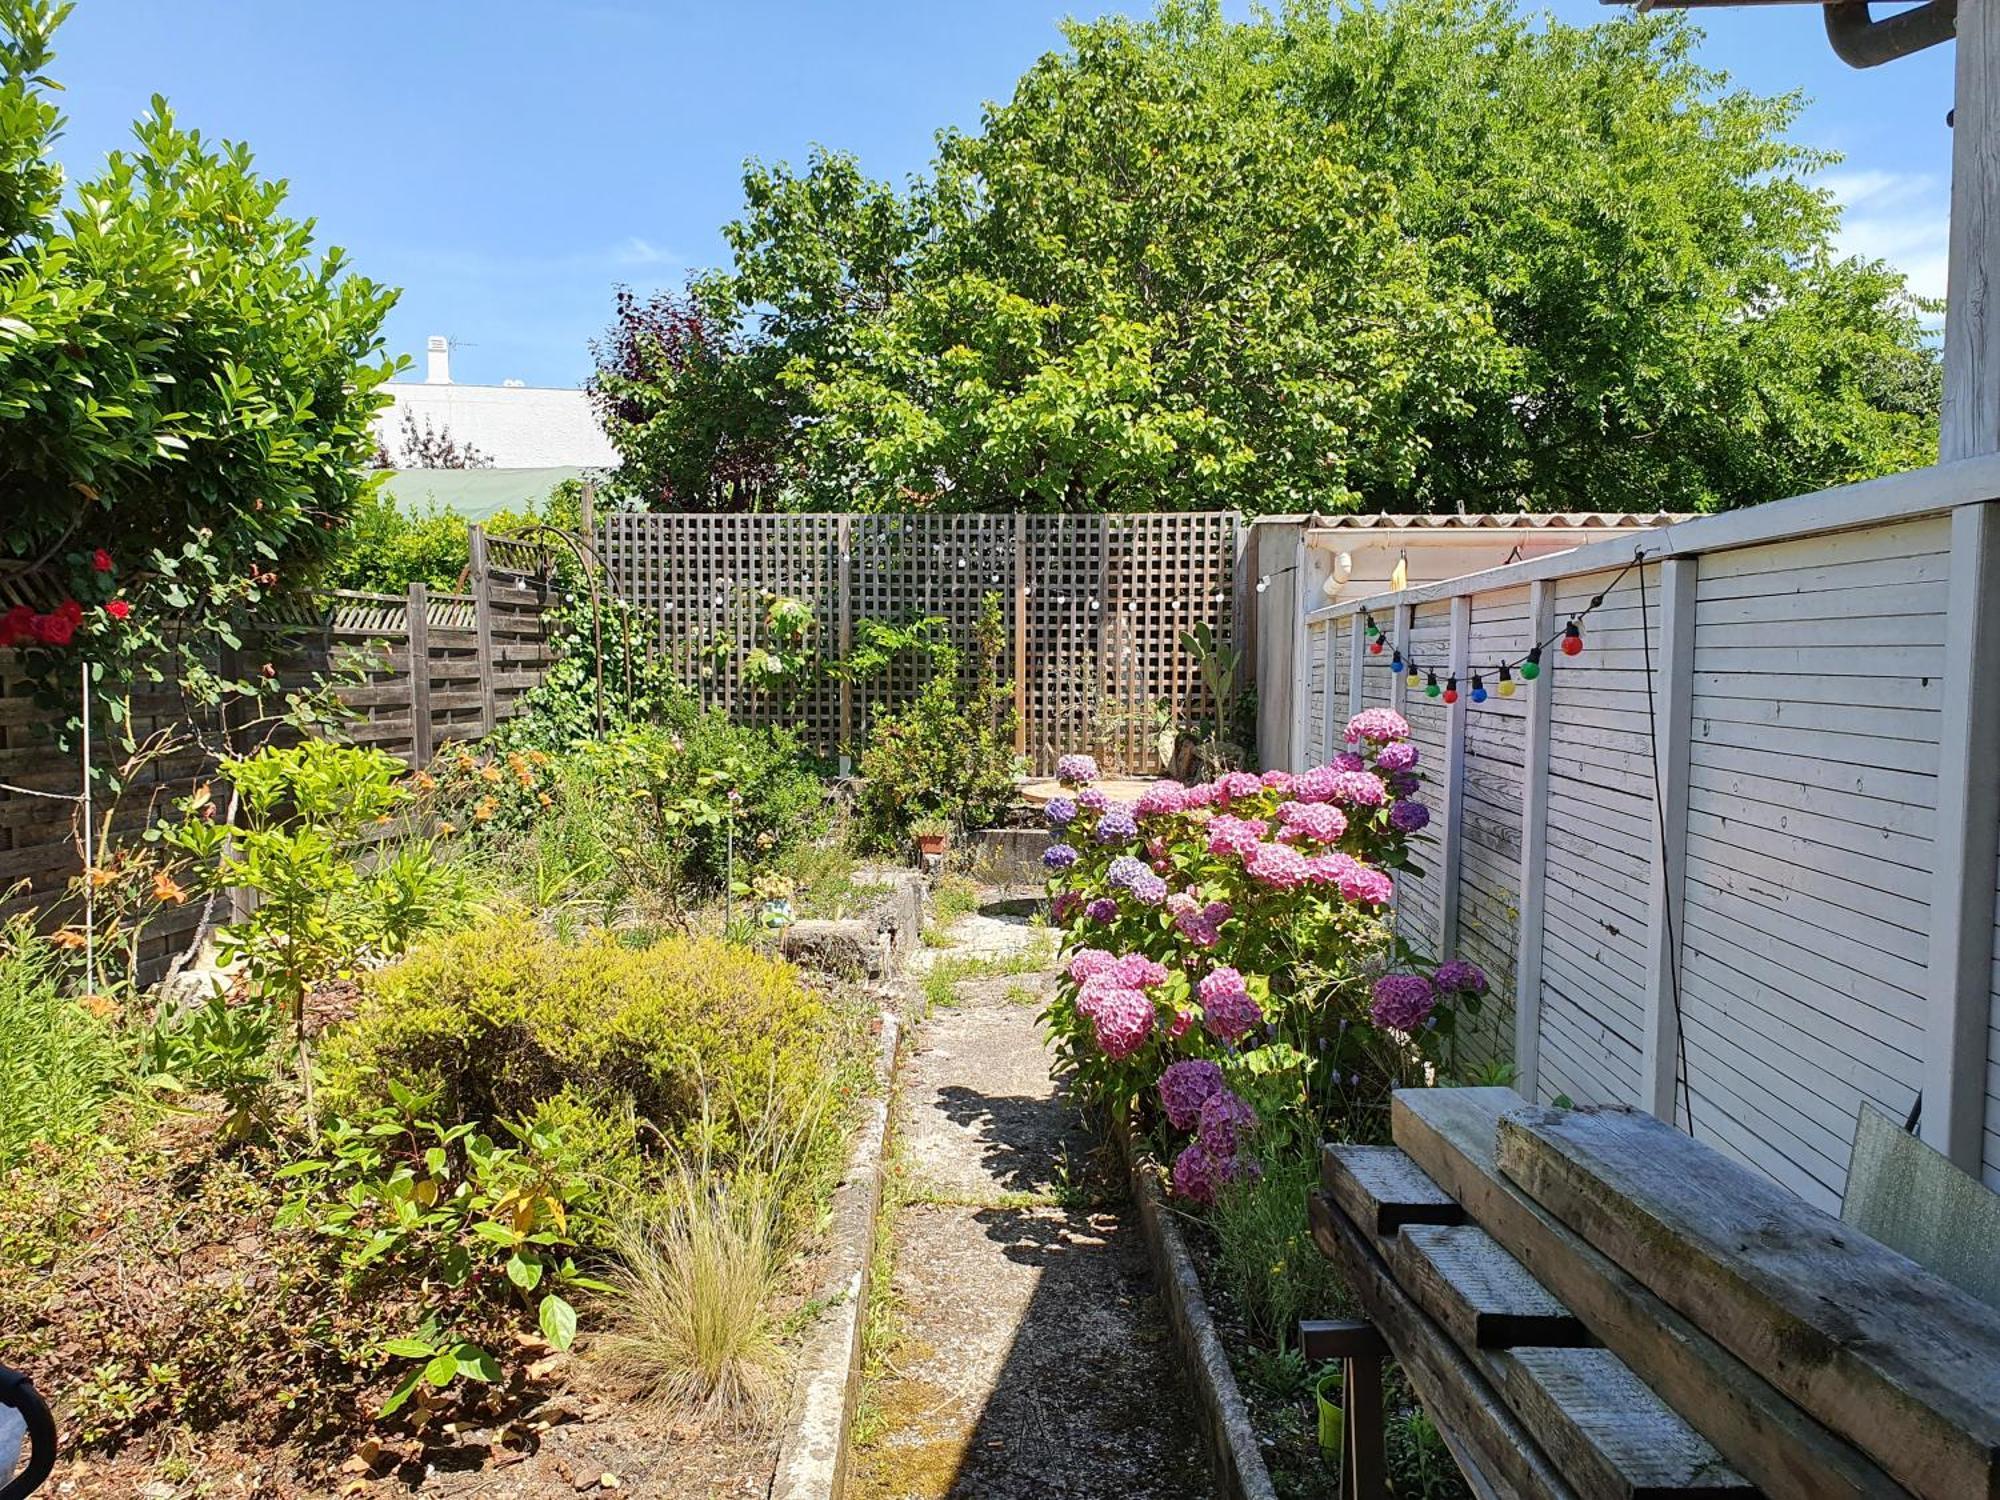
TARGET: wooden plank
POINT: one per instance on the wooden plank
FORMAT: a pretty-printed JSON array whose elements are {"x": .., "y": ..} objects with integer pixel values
[
  {"x": 1380, "y": 1186},
  {"x": 1899, "y": 1361},
  {"x": 1475, "y": 1290},
  {"x": 1456, "y": 1394},
  {"x": 1969, "y": 424},
  {"x": 482, "y": 608},
  {"x": 1608, "y": 1433},
  {"x": 418, "y": 608},
  {"x": 1450, "y": 1133},
  {"x": 1960, "y": 945},
  {"x": 1451, "y": 781}
]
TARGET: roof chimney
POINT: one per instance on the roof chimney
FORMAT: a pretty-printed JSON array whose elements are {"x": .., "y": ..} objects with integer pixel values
[{"x": 437, "y": 360}]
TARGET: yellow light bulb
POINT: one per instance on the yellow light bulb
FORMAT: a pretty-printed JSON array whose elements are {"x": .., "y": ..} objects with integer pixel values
[{"x": 1506, "y": 687}]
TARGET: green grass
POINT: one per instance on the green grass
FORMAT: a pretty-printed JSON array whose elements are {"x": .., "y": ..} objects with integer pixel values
[
  {"x": 942, "y": 979},
  {"x": 58, "y": 1062}
]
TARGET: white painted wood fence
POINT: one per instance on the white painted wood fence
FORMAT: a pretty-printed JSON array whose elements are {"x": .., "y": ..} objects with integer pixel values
[{"x": 1814, "y": 688}]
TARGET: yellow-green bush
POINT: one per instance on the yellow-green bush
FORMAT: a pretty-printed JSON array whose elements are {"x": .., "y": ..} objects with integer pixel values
[{"x": 708, "y": 1043}]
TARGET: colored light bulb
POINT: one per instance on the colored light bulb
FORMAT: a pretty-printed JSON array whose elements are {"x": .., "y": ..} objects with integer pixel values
[
  {"x": 1572, "y": 639},
  {"x": 1396, "y": 662},
  {"x": 1413, "y": 677},
  {"x": 1532, "y": 667},
  {"x": 1431, "y": 688},
  {"x": 1506, "y": 685},
  {"x": 1478, "y": 689},
  {"x": 1375, "y": 646}
]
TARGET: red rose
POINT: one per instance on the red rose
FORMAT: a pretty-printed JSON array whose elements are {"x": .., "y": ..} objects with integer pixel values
[
  {"x": 101, "y": 560},
  {"x": 118, "y": 609},
  {"x": 17, "y": 625},
  {"x": 71, "y": 611},
  {"x": 56, "y": 629}
]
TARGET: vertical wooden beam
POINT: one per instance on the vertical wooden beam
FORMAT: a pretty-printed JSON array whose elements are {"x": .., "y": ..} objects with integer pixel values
[
  {"x": 1021, "y": 587},
  {"x": 587, "y": 513},
  {"x": 1964, "y": 858},
  {"x": 1673, "y": 715},
  {"x": 1970, "y": 421},
  {"x": 1295, "y": 670},
  {"x": 1242, "y": 610},
  {"x": 1357, "y": 670},
  {"x": 1399, "y": 691},
  {"x": 418, "y": 614},
  {"x": 843, "y": 616},
  {"x": 1534, "y": 855},
  {"x": 482, "y": 624},
  {"x": 1451, "y": 836}
]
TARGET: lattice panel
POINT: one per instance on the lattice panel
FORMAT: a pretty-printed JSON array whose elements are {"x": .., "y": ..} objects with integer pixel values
[{"x": 1092, "y": 609}]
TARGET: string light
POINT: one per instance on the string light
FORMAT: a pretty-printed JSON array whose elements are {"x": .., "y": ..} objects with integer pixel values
[
  {"x": 1478, "y": 689},
  {"x": 1573, "y": 639},
  {"x": 1451, "y": 689},
  {"x": 1396, "y": 663},
  {"x": 1431, "y": 688},
  {"x": 1506, "y": 683},
  {"x": 1532, "y": 667}
]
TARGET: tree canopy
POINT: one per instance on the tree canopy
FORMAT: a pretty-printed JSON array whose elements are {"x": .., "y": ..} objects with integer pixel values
[{"x": 1426, "y": 256}]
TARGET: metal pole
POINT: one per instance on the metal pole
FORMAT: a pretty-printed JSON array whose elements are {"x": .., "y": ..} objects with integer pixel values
[{"x": 89, "y": 846}]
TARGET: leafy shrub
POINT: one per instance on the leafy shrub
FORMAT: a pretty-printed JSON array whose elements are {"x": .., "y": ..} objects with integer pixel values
[
  {"x": 58, "y": 1061},
  {"x": 386, "y": 547},
  {"x": 949, "y": 753},
  {"x": 1266, "y": 1254},
  {"x": 219, "y": 1047},
  {"x": 700, "y": 1040},
  {"x": 1227, "y": 973}
]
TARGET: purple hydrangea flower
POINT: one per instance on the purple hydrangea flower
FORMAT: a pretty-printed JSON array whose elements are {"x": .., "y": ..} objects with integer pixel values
[
  {"x": 1226, "y": 1122},
  {"x": 1400, "y": 756},
  {"x": 1076, "y": 770},
  {"x": 1124, "y": 870},
  {"x": 1092, "y": 799},
  {"x": 1458, "y": 976},
  {"x": 1409, "y": 817},
  {"x": 1185, "y": 1087},
  {"x": 1196, "y": 1174},
  {"x": 1227, "y": 1012},
  {"x": 1065, "y": 903},
  {"x": 1377, "y": 725},
  {"x": 1116, "y": 825},
  {"x": 1103, "y": 909},
  {"x": 1058, "y": 857},
  {"x": 1402, "y": 1002},
  {"x": 1060, "y": 812},
  {"x": 1149, "y": 889},
  {"x": 1402, "y": 783}
]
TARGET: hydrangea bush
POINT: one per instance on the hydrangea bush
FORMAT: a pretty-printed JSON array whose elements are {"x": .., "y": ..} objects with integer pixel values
[{"x": 1230, "y": 974}]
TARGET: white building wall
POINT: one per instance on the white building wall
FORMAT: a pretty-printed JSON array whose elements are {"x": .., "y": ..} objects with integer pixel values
[{"x": 518, "y": 427}]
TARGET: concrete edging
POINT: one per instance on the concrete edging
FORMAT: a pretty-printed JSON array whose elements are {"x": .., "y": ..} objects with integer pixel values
[
  {"x": 812, "y": 1457},
  {"x": 1226, "y": 1432}
]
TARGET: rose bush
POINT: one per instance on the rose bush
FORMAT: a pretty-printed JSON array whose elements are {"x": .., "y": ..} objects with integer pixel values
[{"x": 1230, "y": 974}]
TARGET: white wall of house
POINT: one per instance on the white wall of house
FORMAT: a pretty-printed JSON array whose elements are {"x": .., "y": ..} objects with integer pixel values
[
  {"x": 1801, "y": 662},
  {"x": 517, "y": 426}
]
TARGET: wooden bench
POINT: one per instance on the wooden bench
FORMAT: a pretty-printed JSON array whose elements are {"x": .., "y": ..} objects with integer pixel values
[{"x": 1590, "y": 1304}]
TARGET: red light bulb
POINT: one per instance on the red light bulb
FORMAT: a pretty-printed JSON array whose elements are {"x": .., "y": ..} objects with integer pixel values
[{"x": 1572, "y": 642}]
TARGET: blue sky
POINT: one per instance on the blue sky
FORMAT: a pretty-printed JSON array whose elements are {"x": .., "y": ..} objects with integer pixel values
[{"x": 507, "y": 163}]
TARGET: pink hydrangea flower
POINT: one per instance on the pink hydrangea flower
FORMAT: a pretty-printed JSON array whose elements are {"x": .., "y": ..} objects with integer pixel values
[
  {"x": 1227, "y": 1012},
  {"x": 1087, "y": 963},
  {"x": 1096, "y": 990},
  {"x": 1277, "y": 781},
  {"x": 1347, "y": 760},
  {"x": 1315, "y": 785},
  {"x": 1229, "y": 835},
  {"x": 1124, "y": 1019},
  {"x": 1185, "y": 1087},
  {"x": 1076, "y": 770},
  {"x": 1136, "y": 971},
  {"x": 1378, "y": 725},
  {"x": 1236, "y": 786},
  {"x": 1225, "y": 1123},
  {"x": 1358, "y": 789},
  {"x": 1402, "y": 1002},
  {"x": 1092, "y": 799},
  {"x": 1331, "y": 868},
  {"x": 1065, "y": 903},
  {"x": 1178, "y": 1026},
  {"x": 1369, "y": 886},
  {"x": 1201, "y": 925},
  {"x": 1277, "y": 865},
  {"x": 1160, "y": 798},
  {"x": 1399, "y": 756},
  {"x": 1201, "y": 794},
  {"x": 1311, "y": 820}
]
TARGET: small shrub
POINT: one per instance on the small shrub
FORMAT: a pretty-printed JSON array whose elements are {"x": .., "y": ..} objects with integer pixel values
[
  {"x": 58, "y": 1061},
  {"x": 694, "y": 1036},
  {"x": 1266, "y": 1255}
]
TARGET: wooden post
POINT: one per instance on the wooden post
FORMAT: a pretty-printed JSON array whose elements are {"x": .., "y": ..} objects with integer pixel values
[
  {"x": 587, "y": 513},
  {"x": 1534, "y": 854},
  {"x": 1242, "y": 611},
  {"x": 1021, "y": 588},
  {"x": 1970, "y": 421},
  {"x": 1399, "y": 689},
  {"x": 1363, "y": 1470},
  {"x": 482, "y": 621},
  {"x": 1451, "y": 836},
  {"x": 417, "y": 611},
  {"x": 1673, "y": 712},
  {"x": 1968, "y": 822},
  {"x": 1295, "y": 669},
  {"x": 843, "y": 614},
  {"x": 1357, "y": 675}
]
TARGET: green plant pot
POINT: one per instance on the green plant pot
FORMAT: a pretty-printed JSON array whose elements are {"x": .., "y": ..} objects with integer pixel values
[{"x": 1332, "y": 1419}]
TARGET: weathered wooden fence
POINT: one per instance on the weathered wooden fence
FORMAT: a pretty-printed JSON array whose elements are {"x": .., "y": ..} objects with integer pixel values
[
  {"x": 1748, "y": 836},
  {"x": 416, "y": 670},
  {"x": 1092, "y": 608}
]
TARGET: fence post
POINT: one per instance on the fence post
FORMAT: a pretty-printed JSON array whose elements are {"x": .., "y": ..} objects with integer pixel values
[
  {"x": 1020, "y": 634},
  {"x": 482, "y": 621},
  {"x": 843, "y": 624},
  {"x": 1534, "y": 855},
  {"x": 417, "y": 612},
  {"x": 1399, "y": 688},
  {"x": 1357, "y": 673},
  {"x": 1968, "y": 814},
  {"x": 1451, "y": 840},
  {"x": 1673, "y": 713},
  {"x": 1296, "y": 669}
]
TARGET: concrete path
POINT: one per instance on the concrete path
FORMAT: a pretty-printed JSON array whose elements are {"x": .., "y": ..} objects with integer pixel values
[{"x": 1030, "y": 1356}]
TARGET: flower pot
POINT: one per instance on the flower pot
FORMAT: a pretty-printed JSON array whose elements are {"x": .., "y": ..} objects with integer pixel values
[
  {"x": 931, "y": 844},
  {"x": 1332, "y": 1417},
  {"x": 776, "y": 914}
]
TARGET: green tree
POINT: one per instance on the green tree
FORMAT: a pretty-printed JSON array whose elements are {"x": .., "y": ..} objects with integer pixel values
[
  {"x": 185, "y": 393},
  {"x": 1422, "y": 256}
]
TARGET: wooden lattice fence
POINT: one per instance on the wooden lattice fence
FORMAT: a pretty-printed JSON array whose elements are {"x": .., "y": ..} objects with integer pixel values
[{"x": 1092, "y": 607}]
